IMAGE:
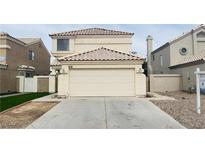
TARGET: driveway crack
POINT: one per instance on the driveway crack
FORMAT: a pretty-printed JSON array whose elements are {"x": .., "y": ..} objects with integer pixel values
[{"x": 106, "y": 126}]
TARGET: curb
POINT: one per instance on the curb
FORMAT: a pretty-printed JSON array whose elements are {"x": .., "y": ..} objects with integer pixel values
[{"x": 15, "y": 107}]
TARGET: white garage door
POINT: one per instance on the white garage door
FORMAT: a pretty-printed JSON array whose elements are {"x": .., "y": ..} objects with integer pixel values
[{"x": 102, "y": 82}]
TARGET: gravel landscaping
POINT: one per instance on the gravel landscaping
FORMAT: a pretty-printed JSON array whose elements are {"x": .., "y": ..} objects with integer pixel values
[
  {"x": 22, "y": 116},
  {"x": 183, "y": 109}
]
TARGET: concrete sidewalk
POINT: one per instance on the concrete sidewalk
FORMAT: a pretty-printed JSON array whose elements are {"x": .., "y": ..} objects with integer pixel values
[{"x": 105, "y": 112}]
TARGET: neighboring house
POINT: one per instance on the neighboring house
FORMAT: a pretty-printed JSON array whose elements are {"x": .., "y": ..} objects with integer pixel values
[
  {"x": 97, "y": 62},
  {"x": 21, "y": 56},
  {"x": 181, "y": 56}
]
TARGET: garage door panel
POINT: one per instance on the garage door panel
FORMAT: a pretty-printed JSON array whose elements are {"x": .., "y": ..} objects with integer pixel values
[{"x": 102, "y": 82}]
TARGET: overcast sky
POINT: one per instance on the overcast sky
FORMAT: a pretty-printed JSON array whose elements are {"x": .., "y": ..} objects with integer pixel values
[{"x": 160, "y": 32}]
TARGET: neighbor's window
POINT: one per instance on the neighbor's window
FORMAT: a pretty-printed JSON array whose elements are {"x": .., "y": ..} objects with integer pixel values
[
  {"x": 161, "y": 61},
  {"x": 183, "y": 51},
  {"x": 63, "y": 44},
  {"x": 31, "y": 55},
  {"x": 153, "y": 57},
  {"x": 29, "y": 74},
  {"x": 2, "y": 58}
]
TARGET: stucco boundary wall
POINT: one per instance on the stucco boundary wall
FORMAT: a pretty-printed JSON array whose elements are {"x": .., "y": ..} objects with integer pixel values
[
  {"x": 165, "y": 82},
  {"x": 35, "y": 84}
]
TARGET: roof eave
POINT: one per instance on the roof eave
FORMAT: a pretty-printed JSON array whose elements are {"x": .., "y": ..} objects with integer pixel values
[
  {"x": 71, "y": 36},
  {"x": 102, "y": 61},
  {"x": 200, "y": 61},
  {"x": 160, "y": 48}
]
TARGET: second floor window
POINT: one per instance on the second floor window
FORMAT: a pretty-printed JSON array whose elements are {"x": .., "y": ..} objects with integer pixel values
[
  {"x": 63, "y": 44},
  {"x": 31, "y": 55}
]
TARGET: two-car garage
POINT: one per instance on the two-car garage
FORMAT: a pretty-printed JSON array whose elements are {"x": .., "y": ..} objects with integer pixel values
[{"x": 102, "y": 82}]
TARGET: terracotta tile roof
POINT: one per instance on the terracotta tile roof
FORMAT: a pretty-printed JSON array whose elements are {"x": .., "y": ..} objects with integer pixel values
[
  {"x": 191, "y": 59},
  {"x": 91, "y": 31},
  {"x": 101, "y": 54},
  {"x": 4, "y": 34},
  {"x": 55, "y": 63}
]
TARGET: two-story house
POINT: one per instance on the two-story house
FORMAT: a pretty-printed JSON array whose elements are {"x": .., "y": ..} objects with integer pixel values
[
  {"x": 97, "y": 62},
  {"x": 21, "y": 56},
  {"x": 181, "y": 55}
]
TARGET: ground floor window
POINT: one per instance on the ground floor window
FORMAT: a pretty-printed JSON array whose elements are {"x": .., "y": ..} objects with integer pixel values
[{"x": 29, "y": 74}]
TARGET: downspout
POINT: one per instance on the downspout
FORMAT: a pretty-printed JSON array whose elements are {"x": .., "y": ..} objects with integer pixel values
[{"x": 193, "y": 43}]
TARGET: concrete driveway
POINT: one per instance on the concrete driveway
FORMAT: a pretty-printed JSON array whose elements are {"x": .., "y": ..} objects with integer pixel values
[{"x": 105, "y": 112}]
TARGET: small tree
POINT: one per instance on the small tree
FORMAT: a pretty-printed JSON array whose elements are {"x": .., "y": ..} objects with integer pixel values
[{"x": 144, "y": 66}]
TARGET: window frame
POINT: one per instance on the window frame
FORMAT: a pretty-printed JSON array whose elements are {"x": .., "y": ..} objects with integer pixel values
[
  {"x": 153, "y": 57},
  {"x": 161, "y": 60},
  {"x": 60, "y": 48},
  {"x": 31, "y": 55}
]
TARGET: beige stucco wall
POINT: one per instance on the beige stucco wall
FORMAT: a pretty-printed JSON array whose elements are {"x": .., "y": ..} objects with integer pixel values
[
  {"x": 140, "y": 84},
  {"x": 63, "y": 84},
  {"x": 83, "y": 44},
  {"x": 119, "y": 44},
  {"x": 176, "y": 57},
  {"x": 200, "y": 40},
  {"x": 200, "y": 46},
  {"x": 157, "y": 68},
  {"x": 52, "y": 84},
  {"x": 165, "y": 82},
  {"x": 42, "y": 84}
]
